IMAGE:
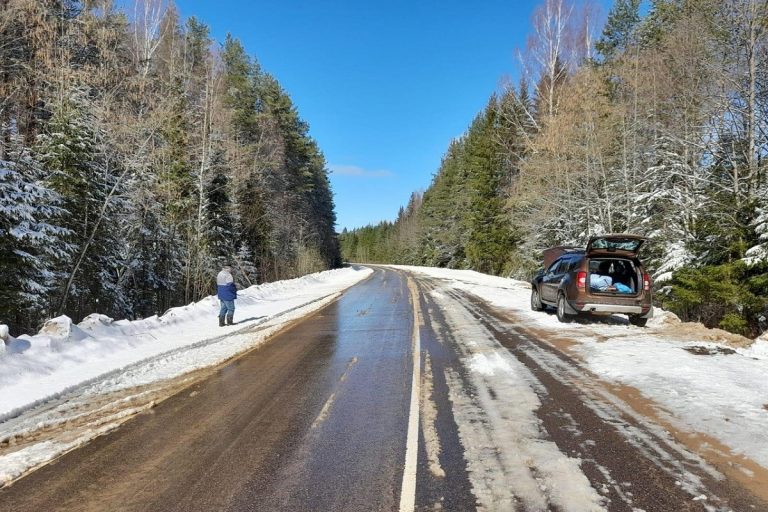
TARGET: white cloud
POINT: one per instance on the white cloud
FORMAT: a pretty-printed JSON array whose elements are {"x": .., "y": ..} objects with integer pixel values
[{"x": 354, "y": 170}]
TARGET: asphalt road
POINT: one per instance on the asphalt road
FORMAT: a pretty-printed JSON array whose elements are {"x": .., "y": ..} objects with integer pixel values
[{"x": 318, "y": 420}]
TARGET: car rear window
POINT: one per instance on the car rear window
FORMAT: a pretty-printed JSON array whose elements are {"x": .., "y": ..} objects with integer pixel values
[{"x": 621, "y": 244}]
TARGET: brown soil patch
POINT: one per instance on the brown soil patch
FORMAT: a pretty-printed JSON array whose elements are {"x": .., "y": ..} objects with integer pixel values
[
  {"x": 566, "y": 345},
  {"x": 690, "y": 331},
  {"x": 709, "y": 351}
]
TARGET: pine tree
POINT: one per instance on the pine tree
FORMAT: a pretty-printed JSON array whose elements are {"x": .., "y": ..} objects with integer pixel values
[
  {"x": 443, "y": 237},
  {"x": 619, "y": 29},
  {"x": 240, "y": 76},
  {"x": 220, "y": 229},
  {"x": 34, "y": 243}
]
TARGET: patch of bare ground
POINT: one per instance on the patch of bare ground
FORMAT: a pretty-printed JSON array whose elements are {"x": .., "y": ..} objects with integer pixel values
[
  {"x": 670, "y": 326},
  {"x": 709, "y": 351},
  {"x": 566, "y": 345}
]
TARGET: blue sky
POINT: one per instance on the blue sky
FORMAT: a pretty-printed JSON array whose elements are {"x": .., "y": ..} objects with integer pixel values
[{"x": 383, "y": 85}]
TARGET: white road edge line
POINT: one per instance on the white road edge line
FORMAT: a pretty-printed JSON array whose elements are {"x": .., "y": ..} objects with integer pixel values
[{"x": 408, "y": 490}]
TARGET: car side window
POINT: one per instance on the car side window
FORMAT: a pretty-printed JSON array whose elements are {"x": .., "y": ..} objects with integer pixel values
[
  {"x": 553, "y": 267},
  {"x": 562, "y": 267}
]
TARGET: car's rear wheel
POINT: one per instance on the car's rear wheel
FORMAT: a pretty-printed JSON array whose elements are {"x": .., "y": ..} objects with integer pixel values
[
  {"x": 536, "y": 304},
  {"x": 638, "y": 320},
  {"x": 561, "y": 314}
]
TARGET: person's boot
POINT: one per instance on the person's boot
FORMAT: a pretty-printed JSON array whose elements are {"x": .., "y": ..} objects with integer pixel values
[
  {"x": 229, "y": 320},
  {"x": 221, "y": 321}
]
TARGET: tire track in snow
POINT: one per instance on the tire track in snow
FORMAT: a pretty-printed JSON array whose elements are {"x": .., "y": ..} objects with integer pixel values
[
  {"x": 649, "y": 469},
  {"x": 512, "y": 466}
]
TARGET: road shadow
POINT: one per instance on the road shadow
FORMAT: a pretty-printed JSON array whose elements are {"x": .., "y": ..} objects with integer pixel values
[
  {"x": 17, "y": 346},
  {"x": 249, "y": 319},
  {"x": 587, "y": 318}
]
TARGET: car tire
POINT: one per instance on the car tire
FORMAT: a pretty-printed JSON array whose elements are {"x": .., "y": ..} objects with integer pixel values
[
  {"x": 638, "y": 320},
  {"x": 561, "y": 314},
  {"x": 536, "y": 304}
]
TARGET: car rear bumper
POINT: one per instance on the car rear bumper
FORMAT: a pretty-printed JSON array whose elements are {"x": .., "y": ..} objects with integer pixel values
[{"x": 615, "y": 308}]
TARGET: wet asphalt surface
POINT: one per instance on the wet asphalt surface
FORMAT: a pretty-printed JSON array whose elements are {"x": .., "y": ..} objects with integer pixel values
[{"x": 316, "y": 420}]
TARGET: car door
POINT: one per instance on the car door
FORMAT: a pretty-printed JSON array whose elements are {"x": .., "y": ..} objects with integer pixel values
[{"x": 551, "y": 280}]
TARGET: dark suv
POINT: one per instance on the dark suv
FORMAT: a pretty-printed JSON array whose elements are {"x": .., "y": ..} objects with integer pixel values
[{"x": 605, "y": 278}]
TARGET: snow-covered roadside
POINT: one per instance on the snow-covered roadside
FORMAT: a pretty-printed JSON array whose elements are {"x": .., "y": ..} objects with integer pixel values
[
  {"x": 121, "y": 354},
  {"x": 723, "y": 394}
]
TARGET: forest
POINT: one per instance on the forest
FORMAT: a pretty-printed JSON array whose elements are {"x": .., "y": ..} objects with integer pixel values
[
  {"x": 138, "y": 156},
  {"x": 653, "y": 122}
]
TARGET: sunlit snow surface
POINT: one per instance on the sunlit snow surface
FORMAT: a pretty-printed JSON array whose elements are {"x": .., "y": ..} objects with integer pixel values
[{"x": 724, "y": 395}]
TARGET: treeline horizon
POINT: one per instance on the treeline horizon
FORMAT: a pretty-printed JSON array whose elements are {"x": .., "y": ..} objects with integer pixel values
[
  {"x": 653, "y": 124},
  {"x": 138, "y": 156}
]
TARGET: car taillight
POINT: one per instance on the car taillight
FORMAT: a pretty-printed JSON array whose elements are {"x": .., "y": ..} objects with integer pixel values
[
  {"x": 581, "y": 280},
  {"x": 646, "y": 282}
]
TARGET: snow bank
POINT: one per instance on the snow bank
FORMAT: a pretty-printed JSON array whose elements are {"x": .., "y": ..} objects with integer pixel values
[
  {"x": 718, "y": 393},
  {"x": 63, "y": 355}
]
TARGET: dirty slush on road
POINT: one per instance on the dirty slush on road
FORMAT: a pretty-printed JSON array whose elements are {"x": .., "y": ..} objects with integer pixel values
[{"x": 582, "y": 445}]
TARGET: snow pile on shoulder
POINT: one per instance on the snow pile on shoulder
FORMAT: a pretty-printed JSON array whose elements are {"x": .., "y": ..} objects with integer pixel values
[{"x": 64, "y": 355}]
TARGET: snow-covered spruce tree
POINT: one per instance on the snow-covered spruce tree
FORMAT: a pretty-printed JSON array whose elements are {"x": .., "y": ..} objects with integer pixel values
[
  {"x": 144, "y": 276},
  {"x": 666, "y": 206},
  {"x": 33, "y": 241},
  {"x": 78, "y": 168},
  {"x": 220, "y": 231},
  {"x": 174, "y": 187},
  {"x": 759, "y": 252},
  {"x": 246, "y": 273}
]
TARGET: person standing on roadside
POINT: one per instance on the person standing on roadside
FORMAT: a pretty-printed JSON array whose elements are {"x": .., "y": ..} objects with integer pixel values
[{"x": 227, "y": 293}]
